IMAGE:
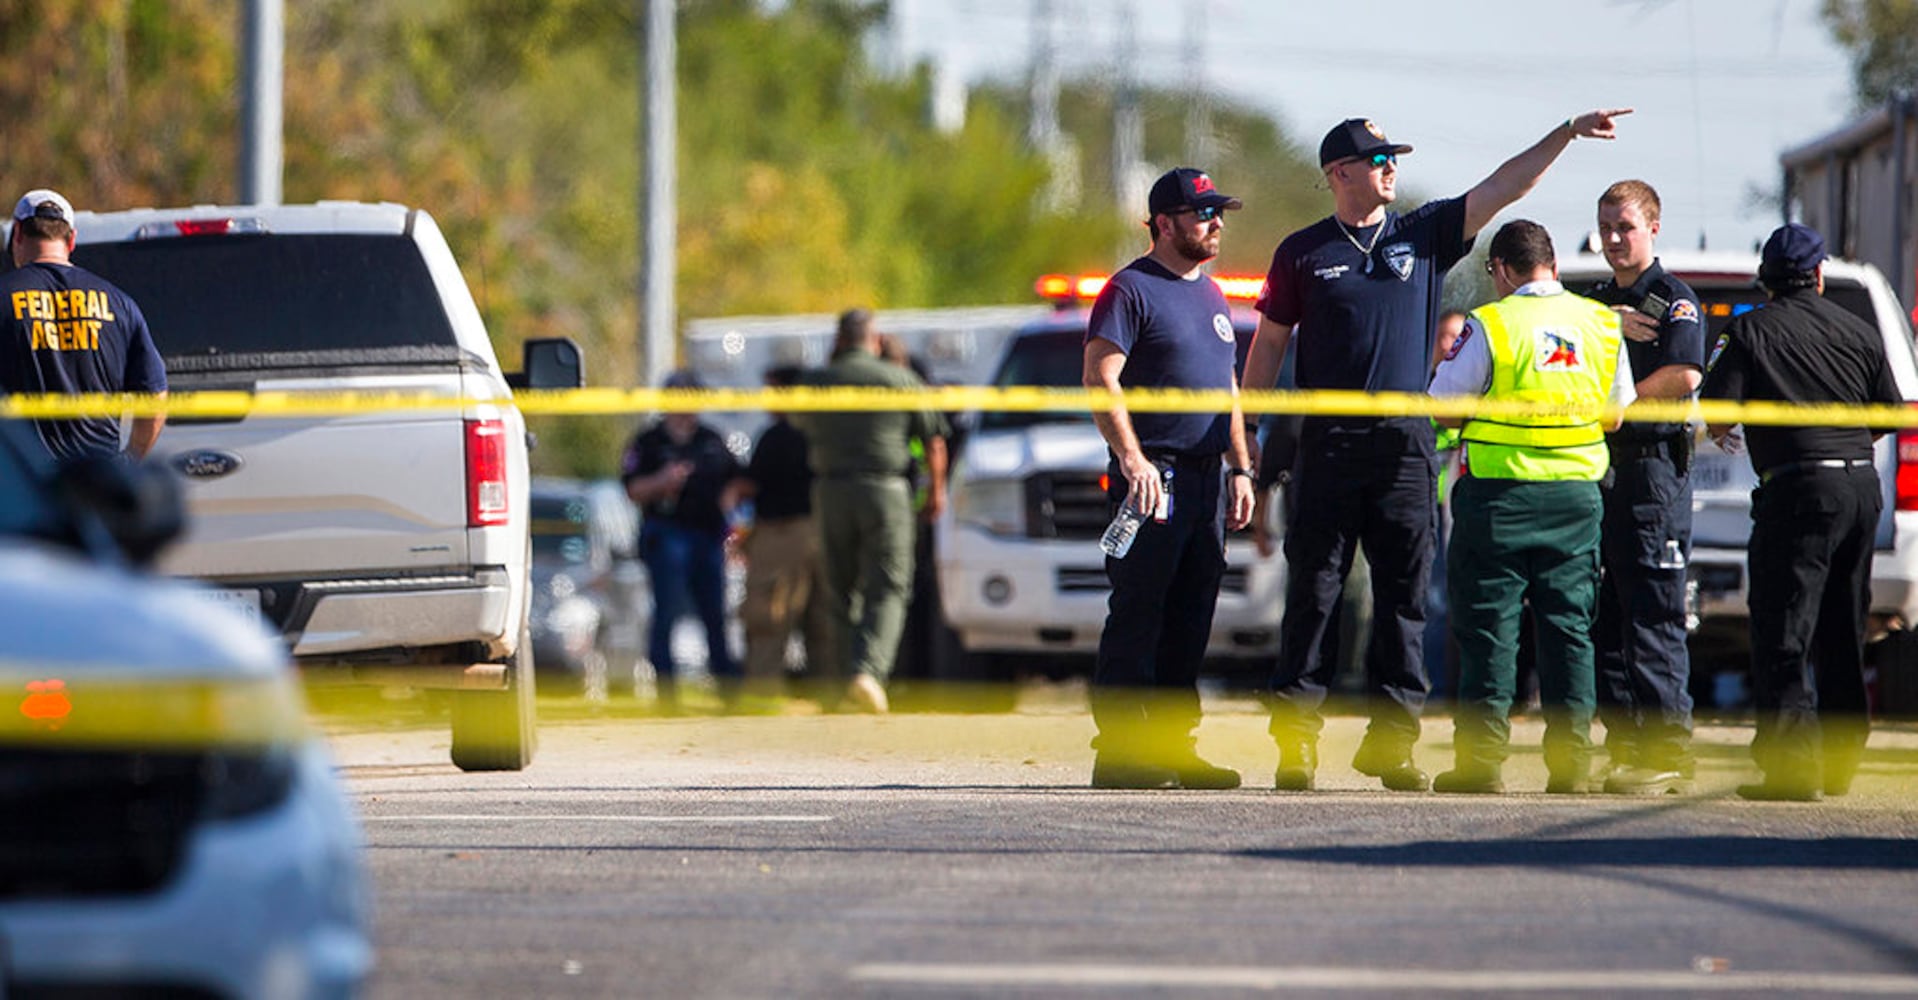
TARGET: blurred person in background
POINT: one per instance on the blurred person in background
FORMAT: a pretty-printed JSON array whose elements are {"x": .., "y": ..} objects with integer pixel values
[
  {"x": 785, "y": 586},
  {"x": 677, "y": 471},
  {"x": 864, "y": 505}
]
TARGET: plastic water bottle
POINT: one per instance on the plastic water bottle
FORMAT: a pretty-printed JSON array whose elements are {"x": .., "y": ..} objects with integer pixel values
[{"x": 1117, "y": 541}]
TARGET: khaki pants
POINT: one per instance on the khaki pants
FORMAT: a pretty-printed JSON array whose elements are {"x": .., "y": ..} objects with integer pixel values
[{"x": 783, "y": 592}]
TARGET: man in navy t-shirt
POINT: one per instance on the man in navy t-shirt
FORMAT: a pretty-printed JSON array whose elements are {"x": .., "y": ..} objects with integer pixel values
[
  {"x": 1163, "y": 324},
  {"x": 66, "y": 330},
  {"x": 1360, "y": 291}
]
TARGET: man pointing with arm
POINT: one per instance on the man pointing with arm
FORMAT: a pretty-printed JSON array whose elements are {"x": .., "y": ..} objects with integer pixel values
[{"x": 1361, "y": 291}]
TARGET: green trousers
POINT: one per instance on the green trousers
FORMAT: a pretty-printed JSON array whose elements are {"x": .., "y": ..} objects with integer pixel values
[
  {"x": 1515, "y": 543},
  {"x": 866, "y": 535}
]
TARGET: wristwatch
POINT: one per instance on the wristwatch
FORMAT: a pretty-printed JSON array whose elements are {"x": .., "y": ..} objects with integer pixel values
[{"x": 1233, "y": 470}]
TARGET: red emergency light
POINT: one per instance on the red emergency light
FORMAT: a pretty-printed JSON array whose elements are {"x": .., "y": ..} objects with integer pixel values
[{"x": 1068, "y": 289}]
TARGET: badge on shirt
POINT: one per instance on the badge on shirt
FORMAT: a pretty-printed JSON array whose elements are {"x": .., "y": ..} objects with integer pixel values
[
  {"x": 1682, "y": 311},
  {"x": 1556, "y": 352},
  {"x": 1400, "y": 258},
  {"x": 1222, "y": 325},
  {"x": 1458, "y": 342},
  {"x": 1724, "y": 339}
]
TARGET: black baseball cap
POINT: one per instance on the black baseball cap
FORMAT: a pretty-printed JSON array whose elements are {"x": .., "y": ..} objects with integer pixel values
[
  {"x": 1793, "y": 249},
  {"x": 1354, "y": 138},
  {"x": 1187, "y": 187}
]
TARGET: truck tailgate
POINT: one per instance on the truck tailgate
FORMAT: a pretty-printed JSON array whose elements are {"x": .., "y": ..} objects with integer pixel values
[{"x": 312, "y": 497}]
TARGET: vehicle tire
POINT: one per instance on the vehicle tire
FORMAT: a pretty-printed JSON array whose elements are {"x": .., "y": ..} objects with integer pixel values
[
  {"x": 498, "y": 730},
  {"x": 1894, "y": 660}
]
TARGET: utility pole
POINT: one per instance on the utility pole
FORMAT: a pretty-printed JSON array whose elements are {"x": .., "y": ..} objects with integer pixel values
[
  {"x": 1042, "y": 124},
  {"x": 659, "y": 216},
  {"x": 1199, "y": 145},
  {"x": 263, "y": 33},
  {"x": 1128, "y": 124}
]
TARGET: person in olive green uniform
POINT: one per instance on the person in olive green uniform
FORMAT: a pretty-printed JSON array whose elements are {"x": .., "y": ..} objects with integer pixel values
[
  {"x": 864, "y": 504},
  {"x": 1526, "y": 512}
]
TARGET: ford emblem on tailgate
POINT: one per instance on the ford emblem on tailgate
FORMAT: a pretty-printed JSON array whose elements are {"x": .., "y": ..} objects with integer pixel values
[{"x": 206, "y": 463}]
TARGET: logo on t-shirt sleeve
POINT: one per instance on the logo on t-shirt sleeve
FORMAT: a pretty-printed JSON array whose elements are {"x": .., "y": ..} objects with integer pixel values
[
  {"x": 1682, "y": 311},
  {"x": 1724, "y": 340},
  {"x": 1222, "y": 325}
]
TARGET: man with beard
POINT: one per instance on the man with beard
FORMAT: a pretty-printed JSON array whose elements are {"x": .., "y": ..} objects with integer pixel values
[
  {"x": 1363, "y": 288},
  {"x": 1161, "y": 323}
]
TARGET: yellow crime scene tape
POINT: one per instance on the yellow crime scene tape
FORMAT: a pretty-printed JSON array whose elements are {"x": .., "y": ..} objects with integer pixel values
[{"x": 808, "y": 399}]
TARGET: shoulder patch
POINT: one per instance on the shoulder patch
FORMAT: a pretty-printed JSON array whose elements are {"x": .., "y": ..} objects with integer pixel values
[
  {"x": 1682, "y": 311},
  {"x": 1717, "y": 349},
  {"x": 1222, "y": 325},
  {"x": 1458, "y": 342}
]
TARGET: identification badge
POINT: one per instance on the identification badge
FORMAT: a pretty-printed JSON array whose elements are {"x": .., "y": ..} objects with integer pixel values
[{"x": 1164, "y": 511}]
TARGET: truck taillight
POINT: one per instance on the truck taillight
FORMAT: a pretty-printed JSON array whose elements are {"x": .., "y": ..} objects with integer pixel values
[
  {"x": 485, "y": 473},
  {"x": 1907, "y": 492}
]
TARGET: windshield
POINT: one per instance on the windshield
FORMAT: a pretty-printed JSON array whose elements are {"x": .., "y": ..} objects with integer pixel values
[
  {"x": 222, "y": 303},
  {"x": 1053, "y": 359}
]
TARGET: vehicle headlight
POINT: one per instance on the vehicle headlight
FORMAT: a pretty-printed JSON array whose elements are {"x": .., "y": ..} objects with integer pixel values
[{"x": 995, "y": 505}]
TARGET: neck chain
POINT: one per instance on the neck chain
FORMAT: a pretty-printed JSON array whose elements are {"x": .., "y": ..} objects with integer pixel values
[{"x": 1366, "y": 249}]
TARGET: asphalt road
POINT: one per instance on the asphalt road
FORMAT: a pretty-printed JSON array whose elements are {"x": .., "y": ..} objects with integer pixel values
[{"x": 948, "y": 855}]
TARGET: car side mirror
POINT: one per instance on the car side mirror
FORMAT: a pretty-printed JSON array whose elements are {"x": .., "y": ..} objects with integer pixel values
[{"x": 549, "y": 363}]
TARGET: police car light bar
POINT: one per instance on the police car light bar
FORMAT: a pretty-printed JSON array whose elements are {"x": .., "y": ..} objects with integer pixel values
[{"x": 1066, "y": 289}]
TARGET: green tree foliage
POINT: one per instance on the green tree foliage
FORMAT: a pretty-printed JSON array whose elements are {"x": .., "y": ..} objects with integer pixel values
[
  {"x": 808, "y": 181},
  {"x": 1882, "y": 37}
]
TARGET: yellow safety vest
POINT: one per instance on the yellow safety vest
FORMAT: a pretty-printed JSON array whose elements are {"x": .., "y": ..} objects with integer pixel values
[{"x": 1560, "y": 349}]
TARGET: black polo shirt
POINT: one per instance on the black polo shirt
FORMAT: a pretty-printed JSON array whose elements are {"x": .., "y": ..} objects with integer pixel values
[
  {"x": 779, "y": 469},
  {"x": 1366, "y": 321},
  {"x": 1801, "y": 348},
  {"x": 1681, "y": 336}
]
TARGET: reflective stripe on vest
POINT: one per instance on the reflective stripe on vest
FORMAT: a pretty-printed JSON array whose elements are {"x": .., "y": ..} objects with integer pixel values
[{"x": 1559, "y": 349}]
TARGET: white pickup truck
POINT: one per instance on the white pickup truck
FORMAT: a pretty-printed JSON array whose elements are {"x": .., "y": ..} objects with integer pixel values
[
  {"x": 391, "y": 543},
  {"x": 1021, "y": 577}
]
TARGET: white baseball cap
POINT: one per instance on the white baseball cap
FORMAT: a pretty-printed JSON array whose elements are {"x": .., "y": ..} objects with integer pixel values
[{"x": 44, "y": 203}]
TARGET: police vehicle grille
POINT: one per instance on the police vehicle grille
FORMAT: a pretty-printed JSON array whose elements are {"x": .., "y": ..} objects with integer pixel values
[
  {"x": 1065, "y": 505},
  {"x": 93, "y": 823},
  {"x": 1092, "y": 579}
]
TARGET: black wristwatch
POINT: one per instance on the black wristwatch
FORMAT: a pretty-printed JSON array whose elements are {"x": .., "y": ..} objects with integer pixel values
[{"x": 1233, "y": 470}]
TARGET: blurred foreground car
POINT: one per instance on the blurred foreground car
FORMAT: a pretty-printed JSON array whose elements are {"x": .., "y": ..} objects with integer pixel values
[
  {"x": 589, "y": 590},
  {"x": 168, "y": 824}
]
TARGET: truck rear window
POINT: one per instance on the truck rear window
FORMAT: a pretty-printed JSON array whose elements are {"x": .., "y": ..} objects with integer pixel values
[{"x": 226, "y": 303}]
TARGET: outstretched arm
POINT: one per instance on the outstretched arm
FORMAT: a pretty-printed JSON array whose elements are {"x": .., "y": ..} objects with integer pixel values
[{"x": 1518, "y": 175}]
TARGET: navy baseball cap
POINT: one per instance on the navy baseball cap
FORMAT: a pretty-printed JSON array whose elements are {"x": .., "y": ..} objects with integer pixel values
[
  {"x": 1792, "y": 249},
  {"x": 1354, "y": 138},
  {"x": 1186, "y": 187}
]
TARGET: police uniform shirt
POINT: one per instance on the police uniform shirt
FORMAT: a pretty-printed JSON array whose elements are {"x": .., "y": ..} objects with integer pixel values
[
  {"x": 65, "y": 330},
  {"x": 779, "y": 469},
  {"x": 1175, "y": 334},
  {"x": 874, "y": 443},
  {"x": 1466, "y": 370},
  {"x": 1681, "y": 336},
  {"x": 1801, "y": 348},
  {"x": 697, "y": 505},
  {"x": 1366, "y": 321}
]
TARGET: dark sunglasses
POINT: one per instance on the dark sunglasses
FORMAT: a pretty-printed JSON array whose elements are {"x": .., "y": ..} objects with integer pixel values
[{"x": 1206, "y": 214}]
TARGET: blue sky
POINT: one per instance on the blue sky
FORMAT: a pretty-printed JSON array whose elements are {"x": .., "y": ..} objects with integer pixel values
[{"x": 1721, "y": 87}]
